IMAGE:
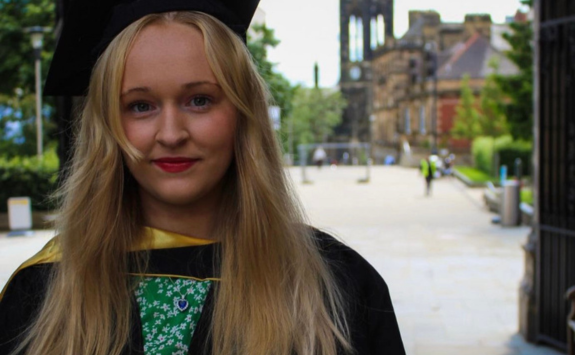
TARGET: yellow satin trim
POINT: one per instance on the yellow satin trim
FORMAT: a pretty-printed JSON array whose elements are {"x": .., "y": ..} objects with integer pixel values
[
  {"x": 161, "y": 239},
  {"x": 155, "y": 239}
]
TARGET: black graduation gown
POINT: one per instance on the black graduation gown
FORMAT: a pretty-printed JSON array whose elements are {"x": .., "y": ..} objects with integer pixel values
[{"x": 370, "y": 314}]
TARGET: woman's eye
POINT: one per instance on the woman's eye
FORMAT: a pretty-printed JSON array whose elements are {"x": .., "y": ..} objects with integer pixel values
[
  {"x": 200, "y": 101},
  {"x": 140, "y": 107}
]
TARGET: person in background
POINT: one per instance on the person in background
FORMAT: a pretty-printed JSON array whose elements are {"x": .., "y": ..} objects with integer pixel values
[
  {"x": 319, "y": 156},
  {"x": 428, "y": 169}
]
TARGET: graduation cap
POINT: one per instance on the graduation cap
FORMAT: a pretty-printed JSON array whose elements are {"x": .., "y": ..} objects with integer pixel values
[{"x": 92, "y": 24}]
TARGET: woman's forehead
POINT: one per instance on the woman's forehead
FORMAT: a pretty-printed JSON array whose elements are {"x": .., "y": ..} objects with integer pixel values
[{"x": 165, "y": 53}]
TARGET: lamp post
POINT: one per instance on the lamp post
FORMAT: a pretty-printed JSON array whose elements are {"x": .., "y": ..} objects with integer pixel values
[{"x": 37, "y": 37}]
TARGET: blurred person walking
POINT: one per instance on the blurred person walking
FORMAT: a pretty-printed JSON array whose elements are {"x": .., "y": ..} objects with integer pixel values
[
  {"x": 319, "y": 156},
  {"x": 428, "y": 168}
]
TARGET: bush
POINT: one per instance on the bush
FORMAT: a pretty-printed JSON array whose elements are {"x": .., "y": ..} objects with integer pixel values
[
  {"x": 485, "y": 148},
  {"x": 482, "y": 150},
  {"x": 31, "y": 177}
]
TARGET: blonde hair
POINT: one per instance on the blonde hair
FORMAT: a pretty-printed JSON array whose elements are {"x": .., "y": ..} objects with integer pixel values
[{"x": 276, "y": 296}]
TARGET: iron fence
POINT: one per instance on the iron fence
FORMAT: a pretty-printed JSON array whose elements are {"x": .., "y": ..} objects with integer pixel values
[{"x": 556, "y": 255}]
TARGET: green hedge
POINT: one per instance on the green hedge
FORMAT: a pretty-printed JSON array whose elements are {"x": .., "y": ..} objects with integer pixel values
[
  {"x": 484, "y": 149},
  {"x": 31, "y": 177}
]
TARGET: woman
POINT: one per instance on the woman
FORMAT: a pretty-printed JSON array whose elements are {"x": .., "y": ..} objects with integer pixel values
[{"x": 178, "y": 232}]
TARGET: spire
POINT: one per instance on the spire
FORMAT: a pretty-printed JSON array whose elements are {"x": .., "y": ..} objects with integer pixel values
[{"x": 316, "y": 75}]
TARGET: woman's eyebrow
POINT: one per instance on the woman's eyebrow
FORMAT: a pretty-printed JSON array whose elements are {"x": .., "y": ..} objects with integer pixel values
[
  {"x": 185, "y": 86},
  {"x": 199, "y": 83},
  {"x": 136, "y": 89}
]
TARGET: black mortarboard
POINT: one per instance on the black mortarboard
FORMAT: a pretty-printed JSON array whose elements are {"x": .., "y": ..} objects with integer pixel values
[{"x": 90, "y": 25}]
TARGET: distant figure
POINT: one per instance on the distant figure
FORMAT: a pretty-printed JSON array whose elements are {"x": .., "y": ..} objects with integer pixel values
[
  {"x": 389, "y": 160},
  {"x": 428, "y": 168},
  {"x": 319, "y": 156},
  {"x": 345, "y": 158}
]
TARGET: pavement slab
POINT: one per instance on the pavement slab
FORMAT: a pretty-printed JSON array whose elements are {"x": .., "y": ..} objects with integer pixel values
[{"x": 453, "y": 276}]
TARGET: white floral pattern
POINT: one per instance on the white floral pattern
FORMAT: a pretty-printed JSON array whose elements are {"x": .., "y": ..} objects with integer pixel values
[{"x": 167, "y": 330}]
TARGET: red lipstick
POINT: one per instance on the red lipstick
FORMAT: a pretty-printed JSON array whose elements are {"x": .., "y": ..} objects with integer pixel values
[{"x": 174, "y": 164}]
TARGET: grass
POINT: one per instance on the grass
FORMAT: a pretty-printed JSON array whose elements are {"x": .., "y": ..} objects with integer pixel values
[{"x": 475, "y": 175}]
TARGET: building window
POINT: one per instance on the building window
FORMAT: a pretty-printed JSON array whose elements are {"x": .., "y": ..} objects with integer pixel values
[
  {"x": 422, "y": 128},
  {"x": 407, "y": 121},
  {"x": 352, "y": 39},
  {"x": 359, "y": 29},
  {"x": 377, "y": 31},
  {"x": 373, "y": 37},
  {"x": 355, "y": 39},
  {"x": 380, "y": 30}
]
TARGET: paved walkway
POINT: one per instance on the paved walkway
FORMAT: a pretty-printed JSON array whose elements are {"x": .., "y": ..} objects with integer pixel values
[{"x": 453, "y": 276}]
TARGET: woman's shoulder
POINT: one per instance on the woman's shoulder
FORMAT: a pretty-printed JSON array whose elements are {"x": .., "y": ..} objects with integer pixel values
[
  {"x": 34, "y": 267},
  {"x": 20, "y": 302},
  {"x": 370, "y": 313},
  {"x": 345, "y": 262},
  {"x": 23, "y": 294}
]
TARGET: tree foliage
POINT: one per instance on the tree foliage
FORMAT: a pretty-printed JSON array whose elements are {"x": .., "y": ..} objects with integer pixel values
[
  {"x": 483, "y": 117},
  {"x": 260, "y": 39},
  {"x": 16, "y": 52},
  {"x": 17, "y": 75},
  {"x": 467, "y": 118},
  {"x": 518, "y": 89},
  {"x": 18, "y": 126},
  {"x": 492, "y": 120},
  {"x": 316, "y": 113}
]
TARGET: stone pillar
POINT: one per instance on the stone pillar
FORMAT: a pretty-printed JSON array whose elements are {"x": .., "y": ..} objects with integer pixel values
[{"x": 528, "y": 291}]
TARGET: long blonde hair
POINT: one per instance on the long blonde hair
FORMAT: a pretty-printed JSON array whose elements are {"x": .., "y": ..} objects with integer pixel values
[{"x": 277, "y": 296}]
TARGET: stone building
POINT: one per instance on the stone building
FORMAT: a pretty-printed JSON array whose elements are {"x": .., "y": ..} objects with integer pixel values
[
  {"x": 414, "y": 111},
  {"x": 364, "y": 26}
]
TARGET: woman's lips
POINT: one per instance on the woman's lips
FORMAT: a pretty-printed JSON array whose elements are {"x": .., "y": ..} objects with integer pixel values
[{"x": 174, "y": 165}]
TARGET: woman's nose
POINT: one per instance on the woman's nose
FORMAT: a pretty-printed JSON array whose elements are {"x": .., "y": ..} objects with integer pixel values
[{"x": 172, "y": 131}]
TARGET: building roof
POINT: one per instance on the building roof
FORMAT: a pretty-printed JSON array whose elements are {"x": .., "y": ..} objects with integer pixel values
[{"x": 472, "y": 57}]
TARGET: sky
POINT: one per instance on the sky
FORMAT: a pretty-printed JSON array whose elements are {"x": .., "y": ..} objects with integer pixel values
[{"x": 309, "y": 30}]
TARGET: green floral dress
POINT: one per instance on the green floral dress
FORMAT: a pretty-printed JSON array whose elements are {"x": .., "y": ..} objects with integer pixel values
[{"x": 170, "y": 309}]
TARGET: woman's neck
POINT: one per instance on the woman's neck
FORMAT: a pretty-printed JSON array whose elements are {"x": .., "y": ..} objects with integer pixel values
[{"x": 194, "y": 221}]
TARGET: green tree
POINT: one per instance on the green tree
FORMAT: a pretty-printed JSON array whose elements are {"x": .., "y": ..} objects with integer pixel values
[
  {"x": 18, "y": 126},
  {"x": 467, "y": 118},
  {"x": 260, "y": 39},
  {"x": 16, "y": 53},
  {"x": 518, "y": 89},
  {"x": 17, "y": 75},
  {"x": 316, "y": 113},
  {"x": 492, "y": 121}
]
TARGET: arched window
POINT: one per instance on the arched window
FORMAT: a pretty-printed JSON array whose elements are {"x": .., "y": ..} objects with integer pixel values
[
  {"x": 407, "y": 121},
  {"x": 373, "y": 33},
  {"x": 380, "y": 30},
  {"x": 422, "y": 128},
  {"x": 352, "y": 38},
  {"x": 359, "y": 41}
]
